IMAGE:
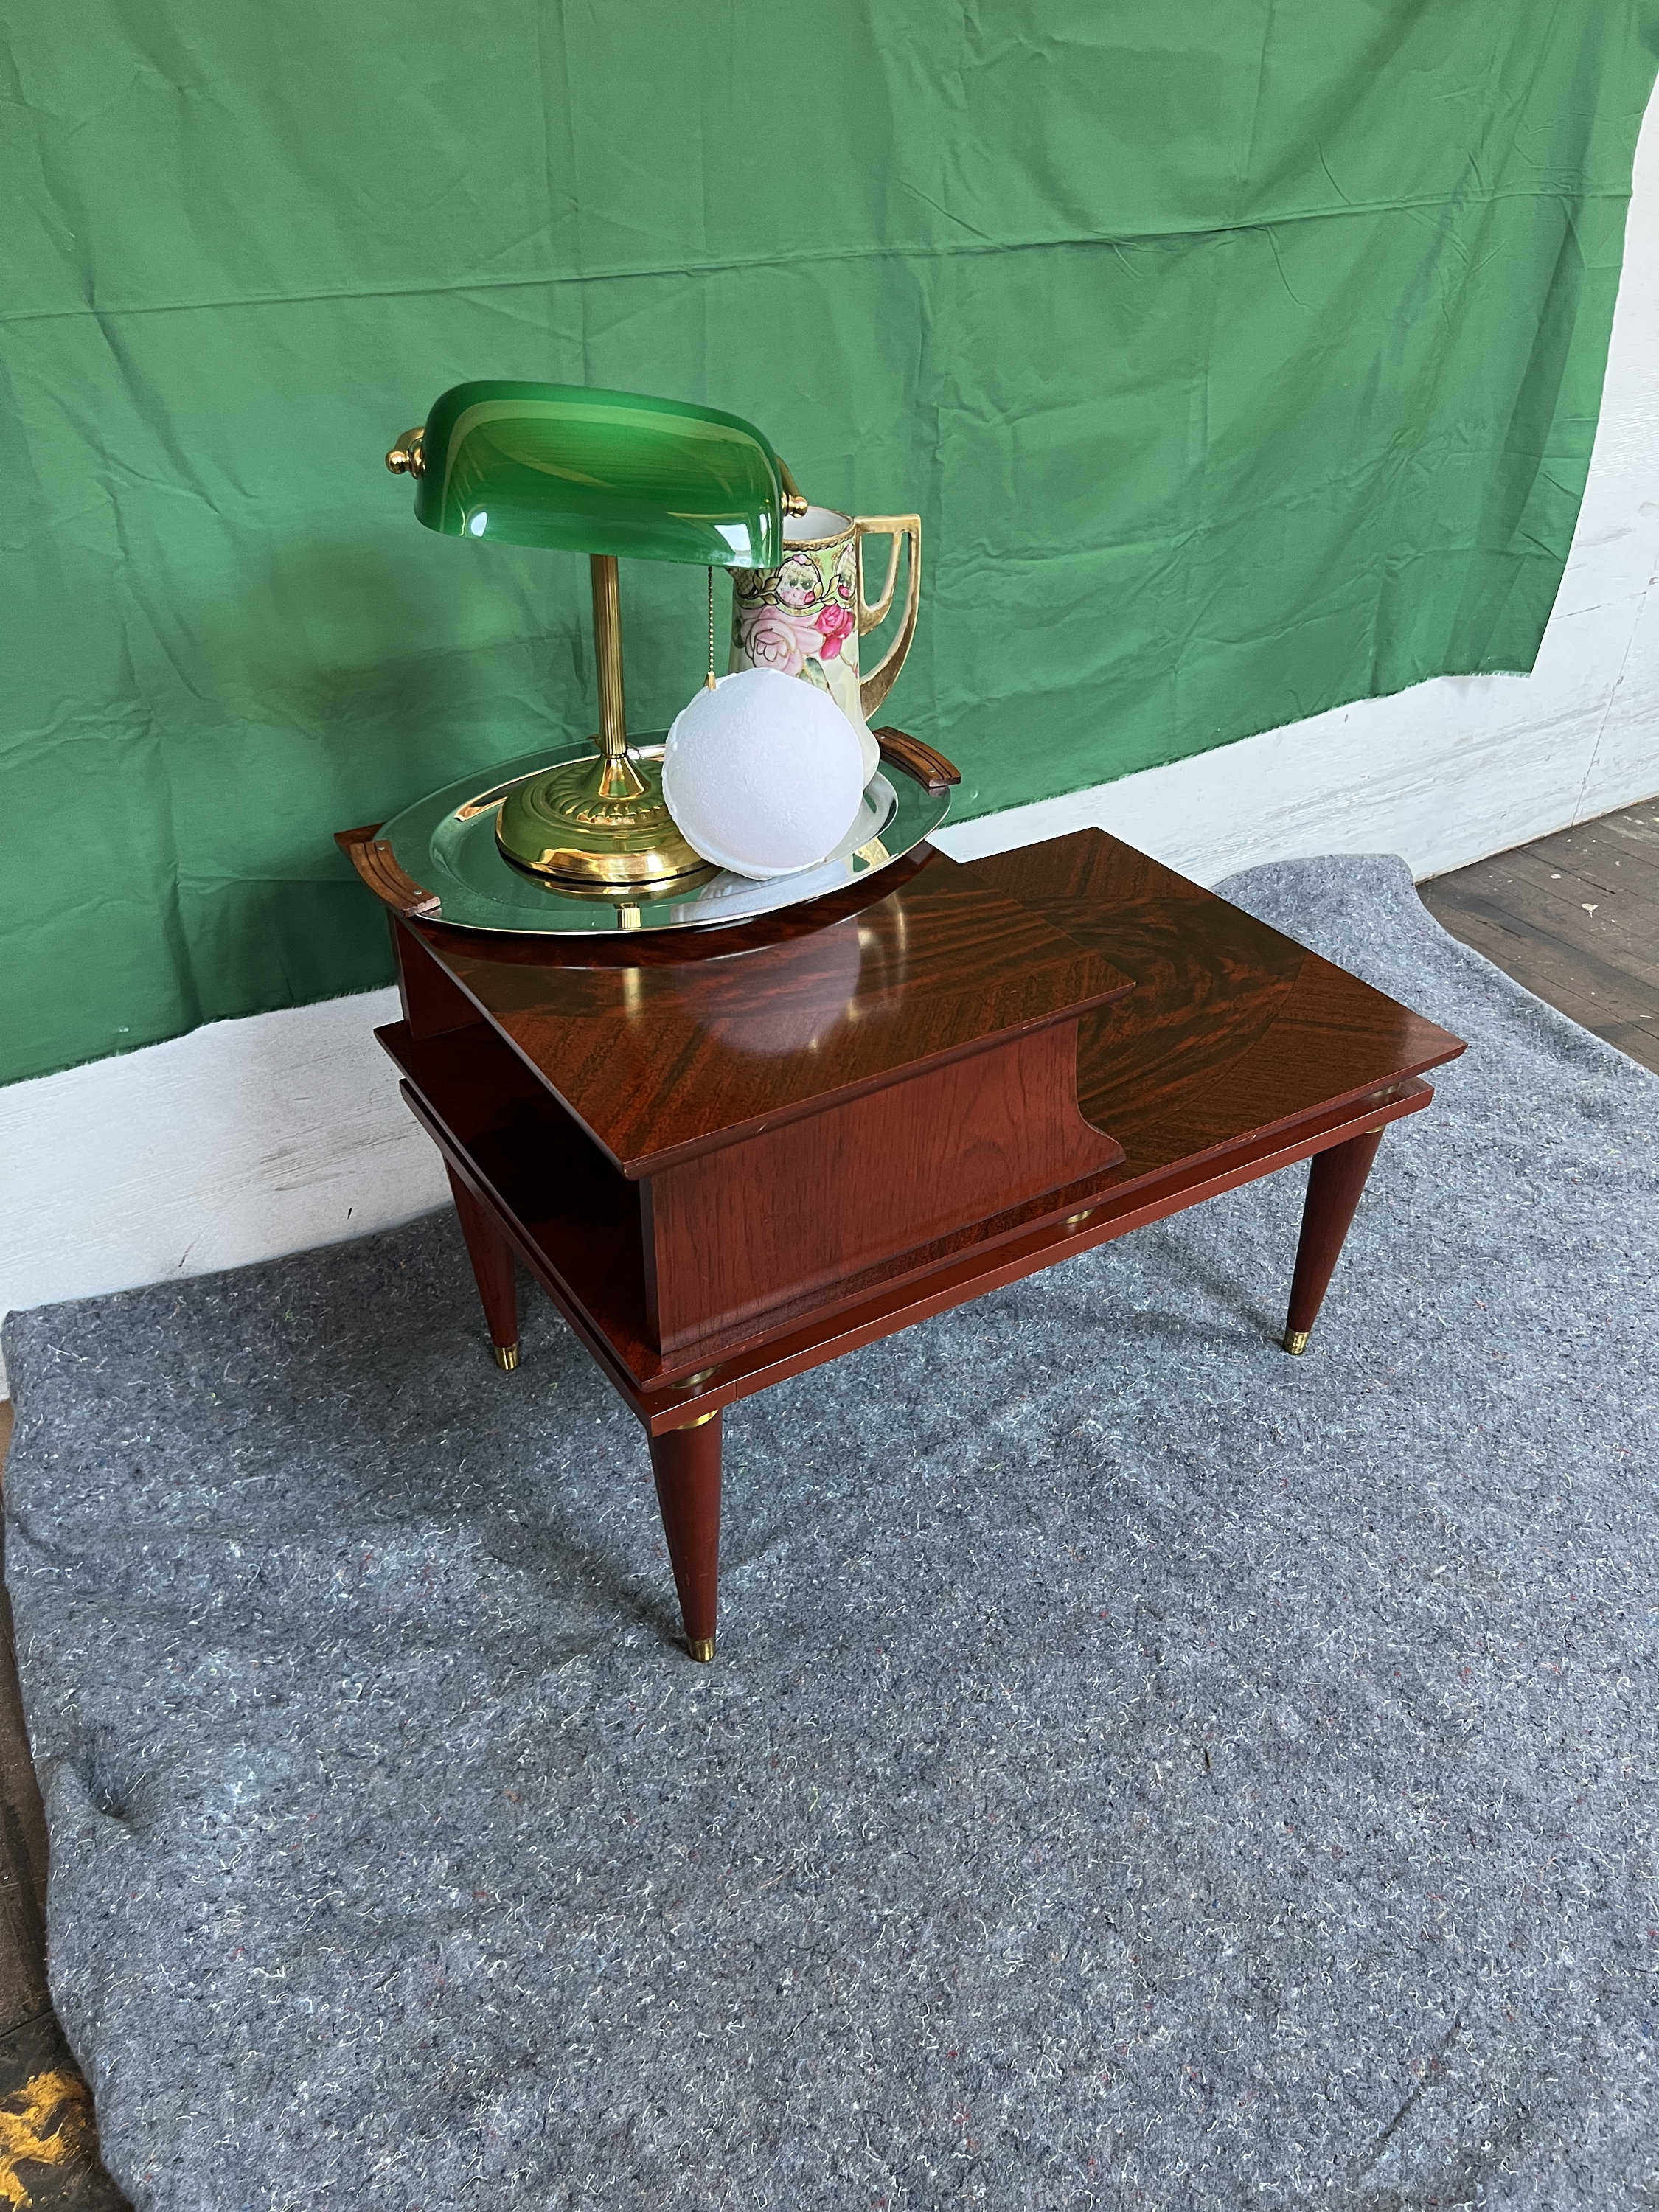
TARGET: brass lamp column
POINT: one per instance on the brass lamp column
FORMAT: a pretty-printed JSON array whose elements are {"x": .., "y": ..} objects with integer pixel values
[
  {"x": 577, "y": 470},
  {"x": 599, "y": 826},
  {"x": 618, "y": 778}
]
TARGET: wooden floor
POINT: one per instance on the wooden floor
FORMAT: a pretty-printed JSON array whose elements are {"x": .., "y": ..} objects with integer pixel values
[{"x": 1575, "y": 917}]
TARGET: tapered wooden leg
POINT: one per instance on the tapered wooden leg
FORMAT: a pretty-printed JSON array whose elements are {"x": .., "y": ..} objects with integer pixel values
[
  {"x": 687, "y": 1465},
  {"x": 492, "y": 1267},
  {"x": 1334, "y": 1182}
]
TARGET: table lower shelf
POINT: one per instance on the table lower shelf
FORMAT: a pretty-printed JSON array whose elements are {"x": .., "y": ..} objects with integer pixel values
[{"x": 576, "y": 1221}]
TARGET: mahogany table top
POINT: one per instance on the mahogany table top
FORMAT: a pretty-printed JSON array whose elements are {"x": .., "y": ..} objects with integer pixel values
[
  {"x": 1231, "y": 1027},
  {"x": 1199, "y": 1022},
  {"x": 666, "y": 1045}
]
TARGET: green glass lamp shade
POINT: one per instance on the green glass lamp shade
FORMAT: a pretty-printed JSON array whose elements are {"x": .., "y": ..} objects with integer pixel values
[{"x": 580, "y": 471}]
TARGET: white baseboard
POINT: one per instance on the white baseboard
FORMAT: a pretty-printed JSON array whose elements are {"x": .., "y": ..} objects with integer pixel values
[
  {"x": 239, "y": 1142},
  {"x": 249, "y": 1139}
]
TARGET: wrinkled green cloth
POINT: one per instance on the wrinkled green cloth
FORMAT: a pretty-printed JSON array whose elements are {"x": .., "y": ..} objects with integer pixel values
[{"x": 1242, "y": 357}]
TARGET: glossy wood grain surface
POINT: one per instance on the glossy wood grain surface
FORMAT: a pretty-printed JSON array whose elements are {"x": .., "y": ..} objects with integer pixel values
[
  {"x": 969, "y": 1266},
  {"x": 728, "y": 1162},
  {"x": 575, "y": 1220},
  {"x": 694, "y": 1044},
  {"x": 795, "y": 1210},
  {"x": 1233, "y": 1028},
  {"x": 1237, "y": 1053}
]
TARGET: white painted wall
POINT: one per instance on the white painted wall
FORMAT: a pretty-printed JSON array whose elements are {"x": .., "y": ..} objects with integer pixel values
[
  {"x": 249, "y": 1139},
  {"x": 242, "y": 1140}
]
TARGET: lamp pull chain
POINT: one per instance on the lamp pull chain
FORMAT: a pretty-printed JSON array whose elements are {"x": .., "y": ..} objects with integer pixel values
[{"x": 708, "y": 680}]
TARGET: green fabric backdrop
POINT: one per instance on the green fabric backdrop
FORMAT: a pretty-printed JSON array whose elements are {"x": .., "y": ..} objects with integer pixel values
[{"x": 1242, "y": 356}]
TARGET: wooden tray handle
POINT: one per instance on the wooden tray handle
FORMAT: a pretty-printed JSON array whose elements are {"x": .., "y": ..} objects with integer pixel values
[
  {"x": 371, "y": 857},
  {"x": 930, "y": 770}
]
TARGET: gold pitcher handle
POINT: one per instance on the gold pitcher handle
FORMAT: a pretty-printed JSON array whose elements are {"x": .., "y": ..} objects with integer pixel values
[{"x": 874, "y": 687}]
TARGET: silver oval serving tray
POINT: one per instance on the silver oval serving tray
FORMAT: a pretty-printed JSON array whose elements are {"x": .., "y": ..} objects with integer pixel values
[{"x": 446, "y": 842}]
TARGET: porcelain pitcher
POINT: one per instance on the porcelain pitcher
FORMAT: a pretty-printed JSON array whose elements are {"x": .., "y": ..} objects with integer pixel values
[{"x": 806, "y": 616}]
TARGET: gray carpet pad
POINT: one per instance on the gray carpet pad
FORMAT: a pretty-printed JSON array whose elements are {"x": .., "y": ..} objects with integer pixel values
[{"x": 1140, "y": 1769}]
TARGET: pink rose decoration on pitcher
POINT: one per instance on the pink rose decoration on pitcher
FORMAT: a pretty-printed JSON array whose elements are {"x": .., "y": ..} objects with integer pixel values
[
  {"x": 834, "y": 625},
  {"x": 772, "y": 639}
]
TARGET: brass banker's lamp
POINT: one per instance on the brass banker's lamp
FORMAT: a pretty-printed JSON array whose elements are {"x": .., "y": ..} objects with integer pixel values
[{"x": 601, "y": 473}]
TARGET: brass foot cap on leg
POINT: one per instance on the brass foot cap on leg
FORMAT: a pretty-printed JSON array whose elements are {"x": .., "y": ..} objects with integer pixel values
[
  {"x": 507, "y": 1357},
  {"x": 701, "y": 1647},
  {"x": 1296, "y": 1341}
]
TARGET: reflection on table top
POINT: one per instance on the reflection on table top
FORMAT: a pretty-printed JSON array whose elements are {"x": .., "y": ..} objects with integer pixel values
[{"x": 1197, "y": 1022}]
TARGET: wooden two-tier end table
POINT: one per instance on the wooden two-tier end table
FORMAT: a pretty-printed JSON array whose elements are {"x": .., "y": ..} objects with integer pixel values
[{"x": 727, "y": 1155}]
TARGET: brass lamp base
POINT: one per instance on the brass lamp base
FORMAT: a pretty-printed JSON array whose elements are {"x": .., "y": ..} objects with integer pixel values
[{"x": 599, "y": 826}]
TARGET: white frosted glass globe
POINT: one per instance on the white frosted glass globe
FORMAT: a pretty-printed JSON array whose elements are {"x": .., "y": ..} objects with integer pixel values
[{"x": 763, "y": 775}]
